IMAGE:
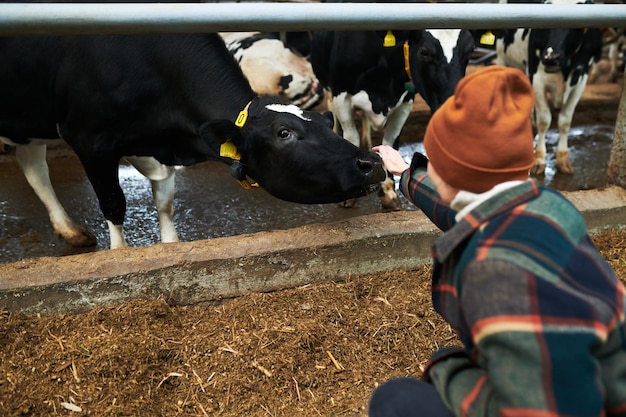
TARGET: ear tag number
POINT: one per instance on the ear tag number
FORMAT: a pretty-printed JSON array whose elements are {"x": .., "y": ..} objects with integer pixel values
[
  {"x": 389, "y": 40},
  {"x": 229, "y": 150},
  {"x": 241, "y": 119},
  {"x": 487, "y": 38}
]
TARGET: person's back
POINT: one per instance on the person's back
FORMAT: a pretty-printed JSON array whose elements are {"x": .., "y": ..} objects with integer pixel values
[{"x": 539, "y": 311}]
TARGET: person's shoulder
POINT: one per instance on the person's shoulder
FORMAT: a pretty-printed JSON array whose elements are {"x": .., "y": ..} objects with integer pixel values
[{"x": 557, "y": 211}]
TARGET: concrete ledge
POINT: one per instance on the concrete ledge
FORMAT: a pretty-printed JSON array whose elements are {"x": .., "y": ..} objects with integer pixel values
[
  {"x": 201, "y": 271},
  {"x": 193, "y": 272}
]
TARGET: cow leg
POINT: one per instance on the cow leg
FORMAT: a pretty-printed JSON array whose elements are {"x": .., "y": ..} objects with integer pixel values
[
  {"x": 389, "y": 198},
  {"x": 345, "y": 126},
  {"x": 343, "y": 111},
  {"x": 102, "y": 171},
  {"x": 366, "y": 133},
  {"x": 162, "y": 179},
  {"x": 571, "y": 97},
  {"x": 543, "y": 119},
  {"x": 32, "y": 160},
  {"x": 613, "y": 55},
  {"x": 395, "y": 122}
]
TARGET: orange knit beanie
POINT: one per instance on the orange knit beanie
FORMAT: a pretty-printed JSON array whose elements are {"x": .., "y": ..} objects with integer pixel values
[{"x": 482, "y": 135}]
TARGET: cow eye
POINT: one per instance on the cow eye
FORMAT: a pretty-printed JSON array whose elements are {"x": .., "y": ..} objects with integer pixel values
[
  {"x": 284, "y": 133},
  {"x": 424, "y": 54}
]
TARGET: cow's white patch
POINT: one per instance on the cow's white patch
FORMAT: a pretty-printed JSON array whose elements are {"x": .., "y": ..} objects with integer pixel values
[
  {"x": 362, "y": 101},
  {"x": 289, "y": 108},
  {"x": 448, "y": 39}
]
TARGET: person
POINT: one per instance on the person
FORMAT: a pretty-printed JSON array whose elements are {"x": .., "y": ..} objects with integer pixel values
[{"x": 538, "y": 311}]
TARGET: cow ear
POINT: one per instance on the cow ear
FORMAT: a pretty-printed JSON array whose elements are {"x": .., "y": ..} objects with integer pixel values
[{"x": 223, "y": 137}]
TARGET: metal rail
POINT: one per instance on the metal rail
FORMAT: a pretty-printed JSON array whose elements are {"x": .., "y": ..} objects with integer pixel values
[{"x": 132, "y": 18}]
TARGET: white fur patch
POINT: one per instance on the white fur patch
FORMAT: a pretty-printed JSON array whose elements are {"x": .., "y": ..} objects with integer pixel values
[
  {"x": 448, "y": 39},
  {"x": 290, "y": 108}
]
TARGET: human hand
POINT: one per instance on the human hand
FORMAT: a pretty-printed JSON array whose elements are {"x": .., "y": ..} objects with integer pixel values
[
  {"x": 392, "y": 159},
  {"x": 441, "y": 356}
]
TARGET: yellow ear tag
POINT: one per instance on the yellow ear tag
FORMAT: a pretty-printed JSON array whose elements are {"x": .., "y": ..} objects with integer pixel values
[
  {"x": 487, "y": 38},
  {"x": 229, "y": 150},
  {"x": 389, "y": 40},
  {"x": 241, "y": 119}
]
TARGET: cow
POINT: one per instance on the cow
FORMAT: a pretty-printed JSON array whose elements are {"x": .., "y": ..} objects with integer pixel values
[
  {"x": 436, "y": 60},
  {"x": 362, "y": 74},
  {"x": 163, "y": 101},
  {"x": 273, "y": 68},
  {"x": 379, "y": 75},
  {"x": 557, "y": 61}
]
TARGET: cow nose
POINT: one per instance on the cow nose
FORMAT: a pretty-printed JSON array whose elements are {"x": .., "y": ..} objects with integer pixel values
[
  {"x": 372, "y": 167},
  {"x": 365, "y": 166},
  {"x": 551, "y": 57}
]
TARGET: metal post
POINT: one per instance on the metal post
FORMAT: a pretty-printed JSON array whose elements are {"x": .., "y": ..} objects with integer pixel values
[{"x": 616, "y": 171}]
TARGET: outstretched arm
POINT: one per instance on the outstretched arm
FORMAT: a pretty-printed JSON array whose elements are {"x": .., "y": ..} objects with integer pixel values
[{"x": 417, "y": 186}]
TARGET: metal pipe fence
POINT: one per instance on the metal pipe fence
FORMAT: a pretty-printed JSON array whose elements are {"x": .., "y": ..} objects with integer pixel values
[{"x": 107, "y": 18}]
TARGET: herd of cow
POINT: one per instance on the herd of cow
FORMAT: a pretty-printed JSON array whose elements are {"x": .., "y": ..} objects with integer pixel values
[{"x": 172, "y": 100}]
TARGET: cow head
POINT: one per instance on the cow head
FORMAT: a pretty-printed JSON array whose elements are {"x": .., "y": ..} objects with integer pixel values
[
  {"x": 294, "y": 154},
  {"x": 568, "y": 51},
  {"x": 274, "y": 69},
  {"x": 556, "y": 49},
  {"x": 437, "y": 61}
]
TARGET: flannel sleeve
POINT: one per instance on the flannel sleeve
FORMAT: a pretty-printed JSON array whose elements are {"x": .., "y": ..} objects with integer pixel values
[
  {"x": 523, "y": 362},
  {"x": 420, "y": 190}
]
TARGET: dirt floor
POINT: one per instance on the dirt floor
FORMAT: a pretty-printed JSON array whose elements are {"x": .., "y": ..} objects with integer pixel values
[{"x": 317, "y": 350}]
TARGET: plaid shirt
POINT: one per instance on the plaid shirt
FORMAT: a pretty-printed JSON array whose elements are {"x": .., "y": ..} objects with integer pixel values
[{"x": 539, "y": 311}]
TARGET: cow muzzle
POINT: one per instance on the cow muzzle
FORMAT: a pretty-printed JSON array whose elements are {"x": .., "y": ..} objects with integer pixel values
[
  {"x": 551, "y": 60},
  {"x": 372, "y": 167}
]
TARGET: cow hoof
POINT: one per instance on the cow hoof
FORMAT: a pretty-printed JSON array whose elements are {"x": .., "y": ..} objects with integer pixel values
[
  {"x": 565, "y": 167},
  {"x": 391, "y": 203},
  {"x": 82, "y": 238},
  {"x": 563, "y": 164},
  {"x": 538, "y": 170},
  {"x": 351, "y": 203},
  {"x": 388, "y": 197}
]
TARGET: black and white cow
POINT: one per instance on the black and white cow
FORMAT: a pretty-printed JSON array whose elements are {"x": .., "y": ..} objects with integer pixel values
[
  {"x": 437, "y": 60},
  {"x": 363, "y": 75},
  {"x": 163, "y": 101},
  {"x": 273, "y": 68},
  {"x": 558, "y": 63},
  {"x": 381, "y": 80}
]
